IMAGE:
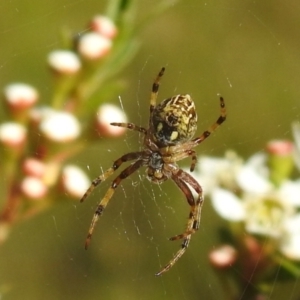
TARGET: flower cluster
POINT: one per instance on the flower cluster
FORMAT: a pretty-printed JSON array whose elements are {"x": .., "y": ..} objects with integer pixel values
[
  {"x": 260, "y": 200},
  {"x": 93, "y": 45},
  {"x": 36, "y": 139}
]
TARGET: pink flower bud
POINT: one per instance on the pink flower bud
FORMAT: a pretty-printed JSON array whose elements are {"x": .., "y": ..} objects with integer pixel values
[
  {"x": 223, "y": 257},
  {"x": 20, "y": 95},
  {"x": 34, "y": 167},
  {"x": 104, "y": 26},
  {"x": 280, "y": 147},
  {"x": 64, "y": 62},
  {"x": 12, "y": 134},
  {"x": 33, "y": 188}
]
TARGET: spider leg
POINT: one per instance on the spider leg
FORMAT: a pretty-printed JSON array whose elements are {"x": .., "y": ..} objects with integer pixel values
[
  {"x": 181, "y": 154},
  {"x": 155, "y": 88},
  {"x": 196, "y": 206},
  {"x": 130, "y": 126},
  {"x": 194, "y": 160},
  {"x": 101, "y": 206},
  {"x": 110, "y": 171},
  {"x": 213, "y": 127},
  {"x": 181, "y": 179}
]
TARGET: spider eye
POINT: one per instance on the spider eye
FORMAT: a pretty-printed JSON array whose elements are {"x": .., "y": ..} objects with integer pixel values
[{"x": 174, "y": 120}]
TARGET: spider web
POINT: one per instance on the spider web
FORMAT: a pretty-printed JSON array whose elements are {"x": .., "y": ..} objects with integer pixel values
[{"x": 247, "y": 51}]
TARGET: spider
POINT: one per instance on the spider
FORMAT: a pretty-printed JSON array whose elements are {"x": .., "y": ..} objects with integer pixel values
[{"x": 168, "y": 139}]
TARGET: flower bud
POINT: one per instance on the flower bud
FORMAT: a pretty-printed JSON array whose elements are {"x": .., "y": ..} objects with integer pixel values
[
  {"x": 93, "y": 46},
  {"x": 106, "y": 114},
  {"x": 280, "y": 160},
  {"x": 104, "y": 26},
  {"x": 60, "y": 126},
  {"x": 74, "y": 180},
  {"x": 223, "y": 257},
  {"x": 280, "y": 147},
  {"x": 12, "y": 134},
  {"x": 34, "y": 167},
  {"x": 33, "y": 188},
  {"x": 20, "y": 95},
  {"x": 64, "y": 62}
]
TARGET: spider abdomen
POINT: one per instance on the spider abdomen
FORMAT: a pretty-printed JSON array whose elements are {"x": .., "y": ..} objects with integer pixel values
[{"x": 174, "y": 120}]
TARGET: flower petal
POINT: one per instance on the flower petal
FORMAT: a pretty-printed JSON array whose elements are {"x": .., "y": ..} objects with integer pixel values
[
  {"x": 253, "y": 182},
  {"x": 290, "y": 192},
  {"x": 291, "y": 246},
  {"x": 227, "y": 205}
]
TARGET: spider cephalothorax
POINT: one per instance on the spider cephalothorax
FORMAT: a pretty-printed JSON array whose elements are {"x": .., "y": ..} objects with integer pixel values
[{"x": 168, "y": 139}]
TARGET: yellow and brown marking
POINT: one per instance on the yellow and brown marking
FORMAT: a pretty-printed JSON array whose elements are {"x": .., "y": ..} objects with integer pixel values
[{"x": 174, "y": 120}]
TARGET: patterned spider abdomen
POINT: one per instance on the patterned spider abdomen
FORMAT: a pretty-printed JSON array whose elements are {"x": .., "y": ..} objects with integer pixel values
[{"x": 174, "y": 120}]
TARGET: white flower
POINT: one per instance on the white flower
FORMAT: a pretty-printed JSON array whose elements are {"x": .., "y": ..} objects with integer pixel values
[
  {"x": 253, "y": 176},
  {"x": 266, "y": 214},
  {"x": 63, "y": 61},
  {"x": 290, "y": 242},
  {"x": 20, "y": 95},
  {"x": 263, "y": 214},
  {"x": 228, "y": 205},
  {"x": 212, "y": 172},
  {"x": 244, "y": 193},
  {"x": 60, "y": 126},
  {"x": 94, "y": 45},
  {"x": 75, "y": 181},
  {"x": 263, "y": 207},
  {"x": 290, "y": 191}
]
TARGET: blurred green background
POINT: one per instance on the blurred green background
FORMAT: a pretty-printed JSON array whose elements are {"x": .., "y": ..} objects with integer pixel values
[{"x": 248, "y": 51}]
